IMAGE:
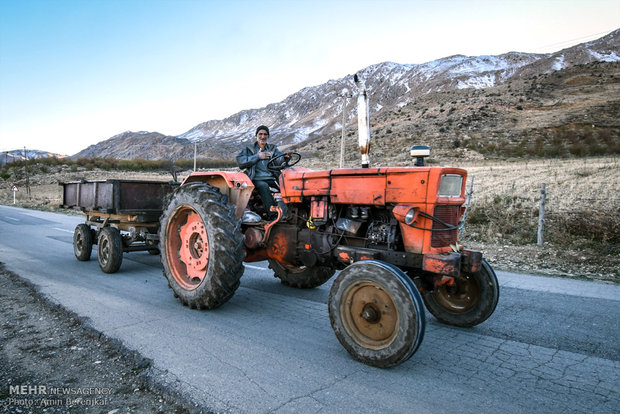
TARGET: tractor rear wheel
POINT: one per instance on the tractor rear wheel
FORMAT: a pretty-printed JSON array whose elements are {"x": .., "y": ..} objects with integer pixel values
[
  {"x": 110, "y": 250},
  {"x": 469, "y": 302},
  {"x": 201, "y": 246},
  {"x": 376, "y": 313},
  {"x": 82, "y": 242},
  {"x": 301, "y": 276}
]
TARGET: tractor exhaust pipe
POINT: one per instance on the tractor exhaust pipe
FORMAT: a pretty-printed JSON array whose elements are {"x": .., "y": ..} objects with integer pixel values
[{"x": 363, "y": 122}]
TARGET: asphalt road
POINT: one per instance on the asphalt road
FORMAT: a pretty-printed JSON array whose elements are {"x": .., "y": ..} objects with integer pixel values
[{"x": 552, "y": 345}]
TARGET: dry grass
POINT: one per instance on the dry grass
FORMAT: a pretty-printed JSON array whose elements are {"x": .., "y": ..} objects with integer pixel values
[
  {"x": 571, "y": 184},
  {"x": 582, "y": 201}
]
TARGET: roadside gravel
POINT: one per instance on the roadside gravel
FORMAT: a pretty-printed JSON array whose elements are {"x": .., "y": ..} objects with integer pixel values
[
  {"x": 551, "y": 261},
  {"x": 67, "y": 366}
]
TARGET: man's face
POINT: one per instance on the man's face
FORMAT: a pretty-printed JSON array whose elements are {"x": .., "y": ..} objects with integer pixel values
[{"x": 261, "y": 137}]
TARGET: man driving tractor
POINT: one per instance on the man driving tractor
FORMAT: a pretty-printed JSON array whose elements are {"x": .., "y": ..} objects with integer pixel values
[{"x": 254, "y": 159}]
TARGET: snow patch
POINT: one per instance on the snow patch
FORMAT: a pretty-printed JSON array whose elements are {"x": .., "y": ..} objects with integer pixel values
[
  {"x": 193, "y": 135},
  {"x": 559, "y": 63},
  {"x": 611, "y": 57},
  {"x": 477, "y": 82},
  {"x": 301, "y": 134}
]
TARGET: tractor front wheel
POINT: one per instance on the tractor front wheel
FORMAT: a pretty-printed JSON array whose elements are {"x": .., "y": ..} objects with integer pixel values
[
  {"x": 301, "y": 277},
  {"x": 201, "y": 246},
  {"x": 468, "y": 302},
  {"x": 82, "y": 242},
  {"x": 110, "y": 250},
  {"x": 376, "y": 313}
]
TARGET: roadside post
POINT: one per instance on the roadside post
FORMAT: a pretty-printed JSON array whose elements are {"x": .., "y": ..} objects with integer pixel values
[
  {"x": 541, "y": 215},
  {"x": 14, "y": 189}
]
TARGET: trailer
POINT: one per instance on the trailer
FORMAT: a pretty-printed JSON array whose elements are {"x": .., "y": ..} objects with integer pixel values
[{"x": 121, "y": 216}]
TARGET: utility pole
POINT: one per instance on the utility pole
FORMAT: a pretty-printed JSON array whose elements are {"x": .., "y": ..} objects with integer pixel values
[{"x": 27, "y": 173}]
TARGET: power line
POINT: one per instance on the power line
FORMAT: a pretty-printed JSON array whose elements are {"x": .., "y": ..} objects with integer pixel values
[{"x": 593, "y": 36}]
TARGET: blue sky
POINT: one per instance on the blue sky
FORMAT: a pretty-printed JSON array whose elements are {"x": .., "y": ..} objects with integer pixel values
[{"x": 73, "y": 73}]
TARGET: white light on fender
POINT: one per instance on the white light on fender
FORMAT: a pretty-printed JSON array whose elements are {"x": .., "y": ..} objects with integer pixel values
[
  {"x": 420, "y": 151},
  {"x": 405, "y": 213},
  {"x": 410, "y": 216}
]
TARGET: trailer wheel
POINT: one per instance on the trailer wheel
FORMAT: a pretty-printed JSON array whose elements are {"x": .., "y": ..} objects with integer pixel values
[
  {"x": 376, "y": 313},
  {"x": 110, "y": 250},
  {"x": 469, "y": 302},
  {"x": 82, "y": 242},
  {"x": 201, "y": 246},
  {"x": 301, "y": 276}
]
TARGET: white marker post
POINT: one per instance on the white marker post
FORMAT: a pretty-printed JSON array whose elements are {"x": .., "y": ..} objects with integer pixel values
[{"x": 14, "y": 189}]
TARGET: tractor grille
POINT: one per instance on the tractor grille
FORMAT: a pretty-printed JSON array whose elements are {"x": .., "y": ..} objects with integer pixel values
[{"x": 450, "y": 215}]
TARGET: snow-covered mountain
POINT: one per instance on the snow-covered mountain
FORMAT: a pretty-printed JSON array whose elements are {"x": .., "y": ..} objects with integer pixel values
[
  {"x": 25, "y": 154},
  {"x": 317, "y": 110}
]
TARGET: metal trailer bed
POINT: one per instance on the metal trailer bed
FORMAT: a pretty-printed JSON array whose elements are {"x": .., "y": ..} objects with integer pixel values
[{"x": 121, "y": 216}]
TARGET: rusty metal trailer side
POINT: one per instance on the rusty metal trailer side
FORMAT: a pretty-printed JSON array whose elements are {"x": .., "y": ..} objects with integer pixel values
[{"x": 117, "y": 196}]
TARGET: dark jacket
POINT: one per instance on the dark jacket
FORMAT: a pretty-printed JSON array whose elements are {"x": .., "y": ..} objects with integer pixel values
[{"x": 248, "y": 157}]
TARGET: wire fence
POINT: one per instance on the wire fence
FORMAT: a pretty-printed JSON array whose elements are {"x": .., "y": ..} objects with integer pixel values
[{"x": 527, "y": 220}]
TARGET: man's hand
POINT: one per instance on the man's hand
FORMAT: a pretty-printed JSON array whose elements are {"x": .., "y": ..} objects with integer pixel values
[
  {"x": 264, "y": 155},
  {"x": 287, "y": 155}
]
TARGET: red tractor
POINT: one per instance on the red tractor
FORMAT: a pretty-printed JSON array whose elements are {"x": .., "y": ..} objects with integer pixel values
[{"x": 392, "y": 233}]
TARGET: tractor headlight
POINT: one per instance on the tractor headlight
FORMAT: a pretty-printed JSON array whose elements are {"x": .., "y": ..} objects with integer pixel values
[
  {"x": 405, "y": 213},
  {"x": 450, "y": 185},
  {"x": 410, "y": 216}
]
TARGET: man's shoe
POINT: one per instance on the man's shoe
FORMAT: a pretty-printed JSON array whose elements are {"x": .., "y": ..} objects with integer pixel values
[{"x": 250, "y": 217}]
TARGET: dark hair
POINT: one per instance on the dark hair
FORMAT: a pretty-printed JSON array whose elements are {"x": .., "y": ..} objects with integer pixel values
[{"x": 262, "y": 127}]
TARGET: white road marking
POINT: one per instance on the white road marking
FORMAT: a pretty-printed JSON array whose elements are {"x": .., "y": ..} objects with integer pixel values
[
  {"x": 255, "y": 267},
  {"x": 65, "y": 230}
]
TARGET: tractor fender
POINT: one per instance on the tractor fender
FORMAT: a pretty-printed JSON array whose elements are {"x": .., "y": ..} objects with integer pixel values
[{"x": 237, "y": 186}]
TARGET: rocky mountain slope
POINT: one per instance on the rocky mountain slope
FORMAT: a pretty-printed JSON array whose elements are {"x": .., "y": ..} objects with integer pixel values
[
  {"x": 570, "y": 112},
  {"x": 316, "y": 112}
]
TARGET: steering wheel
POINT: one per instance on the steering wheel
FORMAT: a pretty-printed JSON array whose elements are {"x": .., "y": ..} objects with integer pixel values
[{"x": 294, "y": 159}]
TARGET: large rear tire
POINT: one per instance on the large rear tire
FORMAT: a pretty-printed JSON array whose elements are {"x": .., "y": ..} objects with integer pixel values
[
  {"x": 201, "y": 246},
  {"x": 469, "y": 302},
  {"x": 82, "y": 242},
  {"x": 376, "y": 313},
  {"x": 110, "y": 250},
  {"x": 301, "y": 277}
]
